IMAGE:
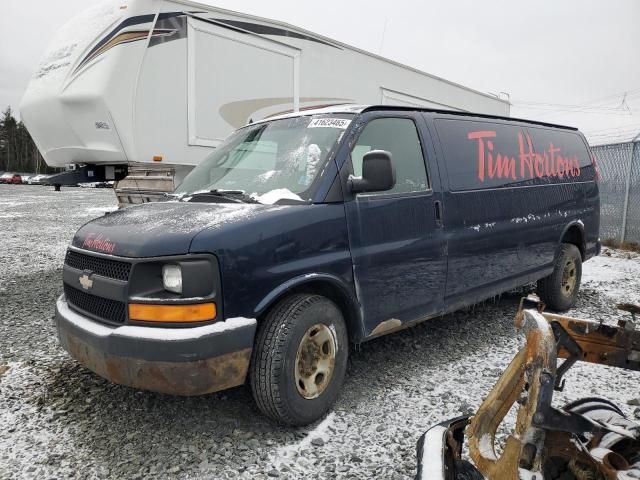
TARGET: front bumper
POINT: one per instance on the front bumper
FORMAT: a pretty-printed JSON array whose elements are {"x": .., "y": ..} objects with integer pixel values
[{"x": 177, "y": 361}]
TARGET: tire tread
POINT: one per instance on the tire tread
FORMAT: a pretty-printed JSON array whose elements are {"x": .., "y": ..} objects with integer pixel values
[
  {"x": 269, "y": 352},
  {"x": 547, "y": 288}
]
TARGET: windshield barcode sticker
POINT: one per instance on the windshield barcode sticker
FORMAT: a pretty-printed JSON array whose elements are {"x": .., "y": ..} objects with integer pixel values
[{"x": 329, "y": 123}]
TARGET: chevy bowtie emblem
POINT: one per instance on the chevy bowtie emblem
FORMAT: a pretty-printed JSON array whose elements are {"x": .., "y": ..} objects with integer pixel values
[{"x": 86, "y": 282}]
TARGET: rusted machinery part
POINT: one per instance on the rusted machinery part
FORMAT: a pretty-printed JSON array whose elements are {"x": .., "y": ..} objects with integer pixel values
[
  {"x": 613, "y": 455},
  {"x": 534, "y": 364},
  {"x": 616, "y": 346},
  {"x": 541, "y": 429}
]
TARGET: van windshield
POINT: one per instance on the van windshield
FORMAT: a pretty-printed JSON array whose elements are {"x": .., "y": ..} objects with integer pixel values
[{"x": 270, "y": 160}]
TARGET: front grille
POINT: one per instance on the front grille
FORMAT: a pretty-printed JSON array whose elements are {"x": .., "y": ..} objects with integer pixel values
[
  {"x": 102, "y": 308},
  {"x": 98, "y": 265}
]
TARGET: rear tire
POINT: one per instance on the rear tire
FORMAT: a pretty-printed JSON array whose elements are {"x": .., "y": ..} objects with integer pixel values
[
  {"x": 299, "y": 359},
  {"x": 559, "y": 290}
]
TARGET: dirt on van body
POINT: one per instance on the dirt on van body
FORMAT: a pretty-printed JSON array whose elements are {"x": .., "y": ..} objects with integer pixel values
[{"x": 58, "y": 419}]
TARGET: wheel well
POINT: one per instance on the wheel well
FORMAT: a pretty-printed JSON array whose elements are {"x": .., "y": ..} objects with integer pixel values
[
  {"x": 574, "y": 236},
  {"x": 333, "y": 293}
]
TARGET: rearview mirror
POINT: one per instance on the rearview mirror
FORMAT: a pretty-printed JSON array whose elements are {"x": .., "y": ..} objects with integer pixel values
[{"x": 378, "y": 173}]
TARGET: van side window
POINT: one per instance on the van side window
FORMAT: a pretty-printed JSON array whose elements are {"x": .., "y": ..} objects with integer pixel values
[
  {"x": 488, "y": 154},
  {"x": 572, "y": 149},
  {"x": 398, "y": 136},
  {"x": 480, "y": 154}
]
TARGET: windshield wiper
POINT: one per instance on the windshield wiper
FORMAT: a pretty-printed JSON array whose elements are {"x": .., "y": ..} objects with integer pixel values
[{"x": 237, "y": 196}]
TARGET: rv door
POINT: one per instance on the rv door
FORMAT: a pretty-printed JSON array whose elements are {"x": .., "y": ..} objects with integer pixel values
[{"x": 236, "y": 77}]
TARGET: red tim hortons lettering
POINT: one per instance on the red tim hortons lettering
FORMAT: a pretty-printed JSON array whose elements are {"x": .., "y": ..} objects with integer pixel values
[
  {"x": 533, "y": 164},
  {"x": 98, "y": 242},
  {"x": 500, "y": 166}
]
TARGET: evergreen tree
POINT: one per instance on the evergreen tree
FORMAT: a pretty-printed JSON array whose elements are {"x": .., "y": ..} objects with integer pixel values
[{"x": 18, "y": 152}]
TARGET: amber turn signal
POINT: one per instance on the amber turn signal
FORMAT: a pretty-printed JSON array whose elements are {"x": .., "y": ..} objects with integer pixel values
[{"x": 198, "y": 312}]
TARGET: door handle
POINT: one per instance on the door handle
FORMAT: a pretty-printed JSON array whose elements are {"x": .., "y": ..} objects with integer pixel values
[{"x": 437, "y": 205}]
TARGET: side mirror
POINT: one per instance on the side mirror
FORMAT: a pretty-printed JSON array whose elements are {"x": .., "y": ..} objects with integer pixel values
[{"x": 378, "y": 173}]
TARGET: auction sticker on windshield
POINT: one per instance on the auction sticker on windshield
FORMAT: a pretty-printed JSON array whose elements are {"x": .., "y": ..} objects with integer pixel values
[{"x": 329, "y": 123}]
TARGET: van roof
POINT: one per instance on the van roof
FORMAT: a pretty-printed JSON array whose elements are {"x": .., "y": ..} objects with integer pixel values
[{"x": 352, "y": 108}]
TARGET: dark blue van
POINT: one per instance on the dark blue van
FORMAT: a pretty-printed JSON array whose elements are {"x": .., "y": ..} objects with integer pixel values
[{"x": 306, "y": 232}]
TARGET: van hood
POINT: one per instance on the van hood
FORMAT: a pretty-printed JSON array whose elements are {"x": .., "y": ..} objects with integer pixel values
[{"x": 158, "y": 229}]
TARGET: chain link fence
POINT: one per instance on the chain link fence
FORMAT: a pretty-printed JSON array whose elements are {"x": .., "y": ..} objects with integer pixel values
[{"x": 619, "y": 166}]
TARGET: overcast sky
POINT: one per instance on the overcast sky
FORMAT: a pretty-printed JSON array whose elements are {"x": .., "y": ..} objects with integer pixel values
[{"x": 573, "y": 60}]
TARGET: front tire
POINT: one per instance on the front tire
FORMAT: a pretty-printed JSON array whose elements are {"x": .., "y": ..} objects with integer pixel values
[
  {"x": 299, "y": 359},
  {"x": 559, "y": 290}
]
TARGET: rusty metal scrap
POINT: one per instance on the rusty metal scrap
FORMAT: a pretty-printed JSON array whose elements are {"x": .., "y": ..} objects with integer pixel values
[{"x": 588, "y": 435}]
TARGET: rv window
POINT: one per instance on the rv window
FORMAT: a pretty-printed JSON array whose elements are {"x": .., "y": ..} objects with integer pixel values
[{"x": 398, "y": 136}]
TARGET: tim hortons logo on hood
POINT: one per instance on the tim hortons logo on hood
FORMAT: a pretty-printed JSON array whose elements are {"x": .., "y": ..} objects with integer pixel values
[
  {"x": 529, "y": 164},
  {"x": 98, "y": 242}
]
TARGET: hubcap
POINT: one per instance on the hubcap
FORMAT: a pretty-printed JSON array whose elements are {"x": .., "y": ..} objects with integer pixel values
[
  {"x": 569, "y": 278},
  {"x": 315, "y": 361}
]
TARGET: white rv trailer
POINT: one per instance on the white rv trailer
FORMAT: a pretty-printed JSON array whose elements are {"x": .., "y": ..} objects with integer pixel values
[{"x": 161, "y": 82}]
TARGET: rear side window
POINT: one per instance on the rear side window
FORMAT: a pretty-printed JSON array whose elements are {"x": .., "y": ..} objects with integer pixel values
[
  {"x": 493, "y": 155},
  {"x": 564, "y": 147},
  {"x": 398, "y": 136}
]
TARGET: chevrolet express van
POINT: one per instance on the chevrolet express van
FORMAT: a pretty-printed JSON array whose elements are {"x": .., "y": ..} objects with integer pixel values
[{"x": 306, "y": 232}]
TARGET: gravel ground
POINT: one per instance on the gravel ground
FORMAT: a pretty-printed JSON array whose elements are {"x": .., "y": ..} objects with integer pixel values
[{"x": 57, "y": 419}]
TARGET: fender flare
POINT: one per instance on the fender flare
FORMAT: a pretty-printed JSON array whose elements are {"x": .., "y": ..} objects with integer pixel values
[
  {"x": 574, "y": 223},
  {"x": 274, "y": 295}
]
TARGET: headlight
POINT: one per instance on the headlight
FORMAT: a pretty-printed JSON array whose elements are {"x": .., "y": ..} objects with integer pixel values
[{"x": 172, "y": 278}]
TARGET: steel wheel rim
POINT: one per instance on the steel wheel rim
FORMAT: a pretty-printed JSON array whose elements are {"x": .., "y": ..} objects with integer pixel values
[
  {"x": 569, "y": 278},
  {"x": 315, "y": 361}
]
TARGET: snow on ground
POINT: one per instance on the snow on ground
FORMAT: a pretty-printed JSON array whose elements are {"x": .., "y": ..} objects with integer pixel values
[
  {"x": 612, "y": 273},
  {"x": 37, "y": 224},
  {"x": 57, "y": 419}
]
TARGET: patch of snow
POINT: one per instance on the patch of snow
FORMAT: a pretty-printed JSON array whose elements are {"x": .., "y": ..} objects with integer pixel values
[
  {"x": 314, "y": 154},
  {"x": 93, "y": 210},
  {"x": 273, "y": 196},
  {"x": 8, "y": 203},
  {"x": 611, "y": 275},
  {"x": 180, "y": 218},
  {"x": 18, "y": 375},
  {"x": 529, "y": 475},
  {"x": 485, "y": 445},
  {"x": 73, "y": 38},
  {"x": 535, "y": 320},
  {"x": 95, "y": 328},
  {"x": 318, "y": 431},
  {"x": 478, "y": 227},
  {"x": 176, "y": 334},
  {"x": 152, "y": 333},
  {"x": 266, "y": 175},
  {"x": 529, "y": 218}
]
